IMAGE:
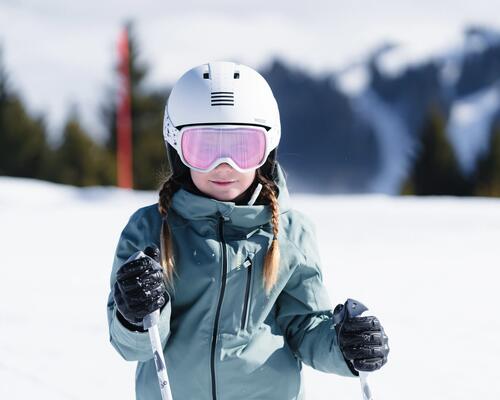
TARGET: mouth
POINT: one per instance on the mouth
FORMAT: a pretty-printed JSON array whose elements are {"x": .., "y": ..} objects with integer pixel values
[{"x": 223, "y": 183}]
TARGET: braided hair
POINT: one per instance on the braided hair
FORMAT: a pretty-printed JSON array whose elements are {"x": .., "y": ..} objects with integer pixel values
[
  {"x": 272, "y": 260},
  {"x": 167, "y": 254}
]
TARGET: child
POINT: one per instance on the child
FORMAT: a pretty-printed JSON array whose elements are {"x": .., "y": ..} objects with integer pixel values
[{"x": 239, "y": 283}]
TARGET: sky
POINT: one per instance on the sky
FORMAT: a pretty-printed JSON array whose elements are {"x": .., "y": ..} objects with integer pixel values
[
  {"x": 426, "y": 267},
  {"x": 60, "y": 54}
]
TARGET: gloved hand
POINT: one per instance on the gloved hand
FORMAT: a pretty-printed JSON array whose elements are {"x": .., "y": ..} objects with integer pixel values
[
  {"x": 140, "y": 288},
  {"x": 363, "y": 341}
]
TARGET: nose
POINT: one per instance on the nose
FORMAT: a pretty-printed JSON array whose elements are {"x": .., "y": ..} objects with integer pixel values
[{"x": 223, "y": 167}]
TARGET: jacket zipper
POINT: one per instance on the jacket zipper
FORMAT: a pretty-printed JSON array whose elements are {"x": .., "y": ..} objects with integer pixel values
[
  {"x": 247, "y": 294},
  {"x": 219, "y": 306}
]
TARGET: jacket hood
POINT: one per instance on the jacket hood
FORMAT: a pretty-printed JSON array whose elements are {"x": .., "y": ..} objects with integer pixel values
[{"x": 193, "y": 207}]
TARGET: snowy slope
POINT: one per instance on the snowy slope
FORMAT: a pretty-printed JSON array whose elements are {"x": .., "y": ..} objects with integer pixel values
[{"x": 427, "y": 267}]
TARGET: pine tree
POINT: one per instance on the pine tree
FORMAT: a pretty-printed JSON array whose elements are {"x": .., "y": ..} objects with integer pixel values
[
  {"x": 3, "y": 80},
  {"x": 24, "y": 150},
  {"x": 488, "y": 166},
  {"x": 435, "y": 170},
  {"x": 149, "y": 155},
  {"x": 79, "y": 160}
]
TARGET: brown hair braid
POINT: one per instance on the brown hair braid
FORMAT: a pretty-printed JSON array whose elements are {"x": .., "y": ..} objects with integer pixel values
[
  {"x": 167, "y": 254},
  {"x": 272, "y": 260}
]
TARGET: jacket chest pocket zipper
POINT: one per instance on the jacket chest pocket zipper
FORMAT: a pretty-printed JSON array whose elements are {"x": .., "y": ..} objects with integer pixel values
[{"x": 246, "y": 301}]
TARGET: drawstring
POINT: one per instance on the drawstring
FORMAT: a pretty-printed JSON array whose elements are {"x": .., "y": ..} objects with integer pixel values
[{"x": 255, "y": 194}]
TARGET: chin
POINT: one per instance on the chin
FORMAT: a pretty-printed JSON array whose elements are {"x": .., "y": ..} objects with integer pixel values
[{"x": 226, "y": 196}]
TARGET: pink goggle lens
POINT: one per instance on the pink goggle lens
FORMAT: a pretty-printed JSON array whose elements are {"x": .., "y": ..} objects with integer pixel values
[{"x": 202, "y": 146}]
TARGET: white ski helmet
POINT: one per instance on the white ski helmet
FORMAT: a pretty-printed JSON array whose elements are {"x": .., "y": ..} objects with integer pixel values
[{"x": 221, "y": 93}]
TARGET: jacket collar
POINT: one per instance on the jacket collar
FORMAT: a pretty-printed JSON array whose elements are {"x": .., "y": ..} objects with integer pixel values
[{"x": 193, "y": 207}]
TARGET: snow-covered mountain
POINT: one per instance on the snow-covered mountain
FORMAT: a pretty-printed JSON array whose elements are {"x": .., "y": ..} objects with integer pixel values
[
  {"x": 428, "y": 268},
  {"x": 363, "y": 123},
  {"x": 463, "y": 80},
  {"x": 470, "y": 122}
]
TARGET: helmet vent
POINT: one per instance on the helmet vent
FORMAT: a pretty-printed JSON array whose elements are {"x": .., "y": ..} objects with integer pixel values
[
  {"x": 222, "y": 98},
  {"x": 206, "y": 75}
]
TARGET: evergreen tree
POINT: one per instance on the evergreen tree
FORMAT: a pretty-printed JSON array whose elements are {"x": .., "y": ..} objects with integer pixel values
[
  {"x": 3, "y": 80},
  {"x": 435, "y": 170},
  {"x": 487, "y": 182},
  {"x": 149, "y": 155},
  {"x": 80, "y": 161},
  {"x": 24, "y": 151}
]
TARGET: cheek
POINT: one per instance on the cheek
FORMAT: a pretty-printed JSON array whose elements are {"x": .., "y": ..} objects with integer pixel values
[
  {"x": 247, "y": 179},
  {"x": 199, "y": 179}
]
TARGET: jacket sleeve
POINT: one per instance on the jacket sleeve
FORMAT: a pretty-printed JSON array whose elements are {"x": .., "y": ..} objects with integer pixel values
[
  {"x": 132, "y": 345},
  {"x": 304, "y": 312}
]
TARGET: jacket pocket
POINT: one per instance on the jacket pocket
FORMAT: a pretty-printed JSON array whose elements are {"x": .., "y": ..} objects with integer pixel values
[{"x": 248, "y": 265}]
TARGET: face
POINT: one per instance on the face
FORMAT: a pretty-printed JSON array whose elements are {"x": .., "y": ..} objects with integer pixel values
[{"x": 223, "y": 182}]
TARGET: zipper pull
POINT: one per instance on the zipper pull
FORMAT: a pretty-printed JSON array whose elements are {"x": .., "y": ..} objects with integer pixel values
[
  {"x": 223, "y": 218},
  {"x": 245, "y": 264}
]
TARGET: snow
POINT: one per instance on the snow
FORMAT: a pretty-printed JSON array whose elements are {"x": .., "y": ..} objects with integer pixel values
[
  {"x": 470, "y": 122},
  {"x": 450, "y": 70},
  {"x": 428, "y": 268},
  {"x": 396, "y": 60},
  {"x": 353, "y": 80},
  {"x": 394, "y": 140}
]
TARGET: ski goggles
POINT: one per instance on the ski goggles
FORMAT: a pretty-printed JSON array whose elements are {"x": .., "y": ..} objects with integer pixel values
[{"x": 203, "y": 148}]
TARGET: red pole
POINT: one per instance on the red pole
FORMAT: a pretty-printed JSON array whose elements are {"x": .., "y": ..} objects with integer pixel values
[{"x": 124, "y": 117}]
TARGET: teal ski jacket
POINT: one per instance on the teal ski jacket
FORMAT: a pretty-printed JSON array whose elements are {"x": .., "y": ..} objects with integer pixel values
[{"x": 223, "y": 337}]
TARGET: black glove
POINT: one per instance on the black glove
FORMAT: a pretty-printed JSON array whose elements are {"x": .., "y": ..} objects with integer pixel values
[
  {"x": 362, "y": 340},
  {"x": 139, "y": 288}
]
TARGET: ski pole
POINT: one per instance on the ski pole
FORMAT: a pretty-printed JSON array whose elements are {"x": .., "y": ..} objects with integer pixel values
[
  {"x": 353, "y": 308},
  {"x": 150, "y": 322},
  {"x": 365, "y": 388}
]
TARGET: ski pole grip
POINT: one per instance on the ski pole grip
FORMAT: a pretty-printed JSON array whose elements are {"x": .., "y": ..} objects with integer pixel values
[
  {"x": 350, "y": 309},
  {"x": 151, "y": 319},
  {"x": 354, "y": 308}
]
